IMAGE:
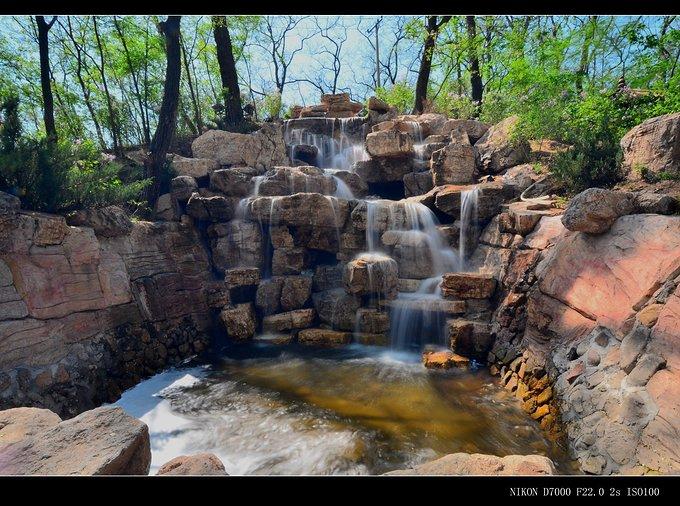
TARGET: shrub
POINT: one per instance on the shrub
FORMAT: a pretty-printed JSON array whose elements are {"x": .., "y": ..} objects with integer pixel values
[{"x": 400, "y": 95}]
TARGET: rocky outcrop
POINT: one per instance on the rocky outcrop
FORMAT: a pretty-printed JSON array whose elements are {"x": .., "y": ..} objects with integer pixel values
[
  {"x": 595, "y": 210},
  {"x": 261, "y": 150},
  {"x": 109, "y": 221},
  {"x": 498, "y": 150},
  {"x": 653, "y": 147},
  {"x": 389, "y": 144},
  {"x": 476, "y": 464},
  {"x": 194, "y": 167},
  {"x": 103, "y": 441},
  {"x": 200, "y": 464},
  {"x": 454, "y": 164},
  {"x": 83, "y": 316}
]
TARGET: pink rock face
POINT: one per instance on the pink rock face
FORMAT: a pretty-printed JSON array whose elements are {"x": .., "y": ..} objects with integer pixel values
[
  {"x": 654, "y": 144},
  {"x": 604, "y": 277},
  {"x": 479, "y": 464}
]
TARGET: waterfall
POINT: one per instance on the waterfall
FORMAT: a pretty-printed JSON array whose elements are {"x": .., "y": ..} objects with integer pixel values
[
  {"x": 342, "y": 191},
  {"x": 469, "y": 200}
]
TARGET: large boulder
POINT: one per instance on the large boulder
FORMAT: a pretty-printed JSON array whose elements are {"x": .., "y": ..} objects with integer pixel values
[
  {"x": 182, "y": 187},
  {"x": 236, "y": 243},
  {"x": 372, "y": 273},
  {"x": 300, "y": 209},
  {"x": 260, "y": 150},
  {"x": 19, "y": 423},
  {"x": 194, "y": 167},
  {"x": 595, "y": 210},
  {"x": 417, "y": 183},
  {"x": 289, "y": 180},
  {"x": 478, "y": 464},
  {"x": 654, "y": 146},
  {"x": 239, "y": 321},
  {"x": 337, "y": 308},
  {"x": 9, "y": 204},
  {"x": 383, "y": 170},
  {"x": 497, "y": 150},
  {"x": 205, "y": 206},
  {"x": 233, "y": 182},
  {"x": 103, "y": 441},
  {"x": 110, "y": 221},
  {"x": 474, "y": 129},
  {"x": 454, "y": 164},
  {"x": 389, "y": 144},
  {"x": 200, "y": 464}
]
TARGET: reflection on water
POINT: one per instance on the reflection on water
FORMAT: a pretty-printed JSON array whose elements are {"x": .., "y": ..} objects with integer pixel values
[{"x": 359, "y": 410}]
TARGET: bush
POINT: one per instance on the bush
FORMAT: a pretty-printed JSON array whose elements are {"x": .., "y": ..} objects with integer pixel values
[
  {"x": 400, "y": 95},
  {"x": 60, "y": 177}
]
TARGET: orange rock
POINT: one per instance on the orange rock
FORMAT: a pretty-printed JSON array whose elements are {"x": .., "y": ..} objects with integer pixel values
[
  {"x": 445, "y": 359},
  {"x": 649, "y": 315}
]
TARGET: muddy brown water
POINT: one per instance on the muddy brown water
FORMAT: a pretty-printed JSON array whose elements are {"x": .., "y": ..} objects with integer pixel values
[{"x": 357, "y": 410}]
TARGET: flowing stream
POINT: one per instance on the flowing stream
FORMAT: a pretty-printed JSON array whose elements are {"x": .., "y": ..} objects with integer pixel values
[{"x": 265, "y": 409}]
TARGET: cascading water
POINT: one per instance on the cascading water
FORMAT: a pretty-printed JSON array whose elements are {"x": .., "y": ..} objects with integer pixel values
[{"x": 469, "y": 200}]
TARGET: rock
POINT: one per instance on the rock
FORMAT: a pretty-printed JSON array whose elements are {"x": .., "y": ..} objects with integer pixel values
[
  {"x": 306, "y": 154},
  {"x": 445, "y": 359},
  {"x": 289, "y": 261},
  {"x": 236, "y": 243},
  {"x": 372, "y": 321},
  {"x": 417, "y": 183},
  {"x": 649, "y": 315},
  {"x": 383, "y": 170},
  {"x": 324, "y": 337},
  {"x": 372, "y": 273},
  {"x": 295, "y": 292},
  {"x": 182, "y": 187},
  {"x": 337, "y": 308},
  {"x": 645, "y": 368},
  {"x": 234, "y": 182},
  {"x": 301, "y": 209},
  {"x": 377, "y": 105},
  {"x": 572, "y": 374},
  {"x": 412, "y": 252},
  {"x": 595, "y": 210},
  {"x": 102, "y": 441},
  {"x": 194, "y": 167},
  {"x": 389, "y": 144},
  {"x": 653, "y": 146},
  {"x": 110, "y": 221},
  {"x": 545, "y": 234},
  {"x": 166, "y": 208},
  {"x": 290, "y": 180},
  {"x": 9, "y": 204},
  {"x": 200, "y": 464},
  {"x": 239, "y": 321},
  {"x": 655, "y": 203},
  {"x": 469, "y": 338},
  {"x": 522, "y": 176},
  {"x": 454, "y": 164},
  {"x": 491, "y": 196},
  {"x": 327, "y": 277},
  {"x": 261, "y": 150},
  {"x": 268, "y": 296},
  {"x": 237, "y": 277},
  {"x": 465, "y": 285},
  {"x": 497, "y": 150},
  {"x": 354, "y": 182},
  {"x": 215, "y": 208},
  {"x": 20, "y": 423},
  {"x": 291, "y": 320},
  {"x": 474, "y": 129},
  {"x": 478, "y": 464}
]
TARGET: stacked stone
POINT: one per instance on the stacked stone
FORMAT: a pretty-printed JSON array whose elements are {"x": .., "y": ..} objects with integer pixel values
[{"x": 336, "y": 105}]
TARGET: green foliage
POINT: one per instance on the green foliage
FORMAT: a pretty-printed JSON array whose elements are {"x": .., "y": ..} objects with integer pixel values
[
  {"x": 59, "y": 177},
  {"x": 400, "y": 95},
  {"x": 272, "y": 105}
]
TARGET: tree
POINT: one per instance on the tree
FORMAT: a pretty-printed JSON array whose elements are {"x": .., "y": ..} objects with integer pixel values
[
  {"x": 228, "y": 74},
  {"x": 433, "y": 26},
  {"x": 45, "y": 79},
  {"x": 167, "y": 119},
  {"x": 477, "y": 88}
]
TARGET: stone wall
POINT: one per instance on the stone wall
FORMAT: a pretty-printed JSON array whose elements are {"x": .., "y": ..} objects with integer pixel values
[{"x": 84, "y": 316}]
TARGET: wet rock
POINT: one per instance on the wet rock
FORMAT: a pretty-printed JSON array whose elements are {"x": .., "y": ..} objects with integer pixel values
[
  {"x": 268, "y": 296},
  {"x": 417, "y": 183},
  {"x": 595, "y": 210},
  {"x": 454, "y": 164},
  {"x": 464, "y": 285},
  {"x": 110, "y": 221},
  {"x": 291, "y": 320},
  {"x": 239, "y": 321},
  {"x": 324, "y": 337},
  {"x": 306, "y": 154},
  {"x": 301, "y": 209},
  {"x": 411, "y": 252},
  {"x": 289, "y": 261},
  {"x": 103, "y": 441},
  {"x": 354, "y": 182},
  {"x": 337, "y": 308},
  {"x": 200, "y": 464},
  {"x": 234, "y": 182},
  {"x": 295, "y": 292},
  {"x": 497, "y": 150},
  {"x": 469, "y": 338},
  {"x": 652, "y": 146},
  {"x": 492, "y": 195},
  {"x": 384, "y": 170},
  {"x": 236, "y": 243},
  {"x": 372, "y": 321},
  {"x": 20, "y": 423},
  {"x": 182, "y": 187},
  {"x": 478, "y": 464},
  {"x": 327, "y": 277},
  {"x": 289, "y": 180},
  {"x": 193, "y": 167},
  {"x": 372, "y": 274},
  {"x": 445, "y": 359},
  {"x": 389, "y": 144}
]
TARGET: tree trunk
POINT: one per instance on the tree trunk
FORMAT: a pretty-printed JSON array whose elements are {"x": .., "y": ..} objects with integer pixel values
[
  {"x": 167, "y": 119},
  {"x": 475, "y": 75},
  {"x": 584, "y": 61},
  {"x": 45, "y": 83},
  {"x": 113, "y": 123},
  {"x": 228, "y": 75},
  {"x": 432, "y": 27}
]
